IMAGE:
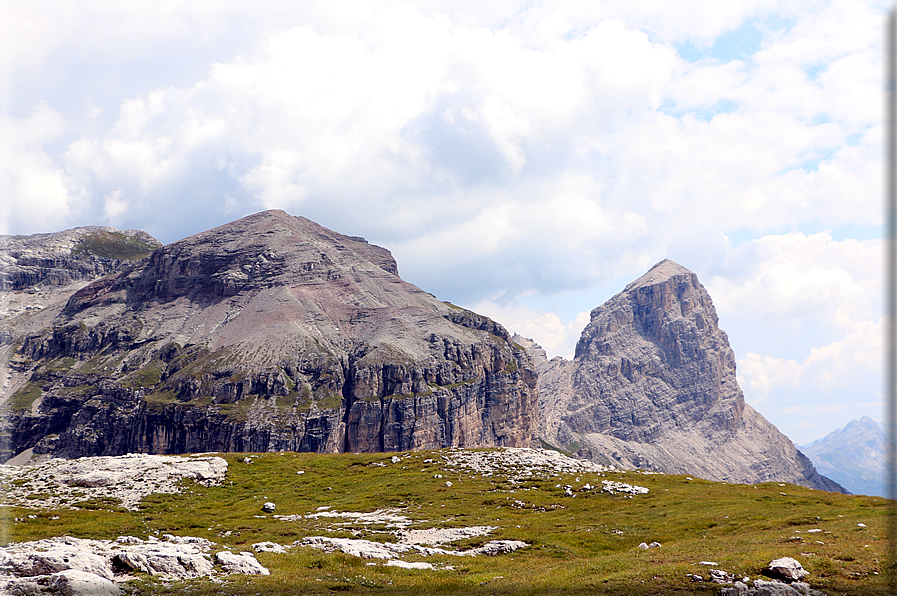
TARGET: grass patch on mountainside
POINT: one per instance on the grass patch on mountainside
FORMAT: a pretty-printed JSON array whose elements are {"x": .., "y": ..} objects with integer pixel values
[
  {"x": 113, "y": 245},
  {"x": 25, "y": 397},
  {"x": 586, "y": 544}
]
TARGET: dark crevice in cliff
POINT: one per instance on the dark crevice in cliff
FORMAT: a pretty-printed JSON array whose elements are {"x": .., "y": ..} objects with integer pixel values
[
  {"x": 382, "y": 434},
  {"x": 348, "y": 384}
]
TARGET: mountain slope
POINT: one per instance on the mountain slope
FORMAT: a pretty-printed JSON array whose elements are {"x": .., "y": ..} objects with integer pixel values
[
  {"x": 269, "y": 333},
  {"x": 853, "y": 456},
  {"x": 652, "y": 385}
]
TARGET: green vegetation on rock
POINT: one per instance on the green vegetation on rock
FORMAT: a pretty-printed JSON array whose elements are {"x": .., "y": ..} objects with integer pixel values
[
  {"x": 25, "y": 397},
  {"x": 113, "y": 245}
]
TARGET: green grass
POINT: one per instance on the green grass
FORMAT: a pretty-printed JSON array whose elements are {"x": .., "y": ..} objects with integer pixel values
[
  {"x": 582, "y": 545},
  {"x": 25, "y": 397}
]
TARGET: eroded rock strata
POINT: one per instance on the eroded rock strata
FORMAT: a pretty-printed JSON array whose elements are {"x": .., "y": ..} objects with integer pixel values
[
  {"x": 652, "y": 385},
  {"x": 269, "y": 333}
]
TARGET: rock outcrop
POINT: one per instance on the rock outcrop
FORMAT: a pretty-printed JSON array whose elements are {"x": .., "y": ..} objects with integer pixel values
[
  {"x": 269, "y": 333},
  {"x": 120, "y": 481},
  {"x": 652, "y": 386},
  {"x": 81, "y": 567},
  {"x": 63, "y": 258}
]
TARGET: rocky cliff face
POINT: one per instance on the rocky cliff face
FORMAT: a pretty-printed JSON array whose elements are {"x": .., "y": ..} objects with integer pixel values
[
  {"x": 652, "y": 385},
  {"x": 269, "y": 333}
]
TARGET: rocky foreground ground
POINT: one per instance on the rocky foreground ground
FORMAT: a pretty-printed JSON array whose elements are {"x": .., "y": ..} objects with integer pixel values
[{"x": 82, "y": 567}]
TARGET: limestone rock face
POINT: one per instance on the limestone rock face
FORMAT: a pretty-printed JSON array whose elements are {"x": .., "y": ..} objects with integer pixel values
[
  {"x": 652, "y": 385},
  {"x": 61, "y": 258},
  {"x": 269, "y": 333}
]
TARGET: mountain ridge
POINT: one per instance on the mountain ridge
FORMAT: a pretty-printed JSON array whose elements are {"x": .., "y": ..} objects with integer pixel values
[
  {"x": 854, "y": 456},
  {"x": 275, "y": 333},
  {"x": 267, "y": 333}
]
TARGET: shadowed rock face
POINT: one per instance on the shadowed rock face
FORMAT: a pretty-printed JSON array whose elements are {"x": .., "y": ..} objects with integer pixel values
[
  {"x": 652, "y": 385},
  {"x": 268, "y": 333}
]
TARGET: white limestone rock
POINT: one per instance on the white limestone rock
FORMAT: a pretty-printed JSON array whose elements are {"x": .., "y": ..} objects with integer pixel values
[
  {"x": 128, "y": 478},
  {"x": 405, "y": 565},
  {"x": 71, "y": 582},
  {"x": 788, "y": 569},
  {"x": 242, "y": 563}
]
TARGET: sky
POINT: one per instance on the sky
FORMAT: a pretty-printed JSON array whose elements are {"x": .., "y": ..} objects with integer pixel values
[{"x": 523, "y": 159}]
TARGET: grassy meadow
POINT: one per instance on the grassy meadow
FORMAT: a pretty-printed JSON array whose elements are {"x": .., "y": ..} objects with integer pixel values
[{"x": 587, "y": 544}]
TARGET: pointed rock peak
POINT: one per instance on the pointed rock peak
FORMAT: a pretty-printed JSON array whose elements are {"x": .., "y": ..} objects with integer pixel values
[{"x": 659, "y": 273}]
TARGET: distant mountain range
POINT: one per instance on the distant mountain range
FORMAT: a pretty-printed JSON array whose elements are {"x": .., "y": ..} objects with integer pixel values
[
  {"x": 853, "y": 456},
  {"x": 273, "y": 333}
]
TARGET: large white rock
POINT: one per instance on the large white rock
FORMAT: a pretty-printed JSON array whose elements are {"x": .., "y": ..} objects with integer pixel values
[
  {"x": 74, "y": 582},
  {"x": 49, "y": 558},
  {"x": 128, "y": 478},
  {"x": 71, "y": 582},
  {"x": 788, "y": 569},
  {"x": 242, "y": 563}
]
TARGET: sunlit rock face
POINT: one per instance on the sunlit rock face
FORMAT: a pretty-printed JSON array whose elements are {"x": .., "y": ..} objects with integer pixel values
[
  {"x": 269, "y": 333},
  {"x": 652, "y": 385}
]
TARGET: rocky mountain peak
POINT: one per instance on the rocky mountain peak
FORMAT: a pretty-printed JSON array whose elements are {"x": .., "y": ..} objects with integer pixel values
[
  {"x": 270, "y": 332},
  {"x": 265, "y": 250},
  {"x": 653, "y": 384},
  {"x": 660, "y": 273}
]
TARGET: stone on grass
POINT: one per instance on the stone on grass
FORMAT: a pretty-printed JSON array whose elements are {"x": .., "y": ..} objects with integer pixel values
[
  {"x": 243, "y": 563},
  {"x": 787, "y": 569},
  {"x": 71, "y": 582},
  {"x": 268, "y": 547},
  {"x": 770, "y": 588},
  {"x": 404, "y": 565},
  {"x": 269, "y": 507}
]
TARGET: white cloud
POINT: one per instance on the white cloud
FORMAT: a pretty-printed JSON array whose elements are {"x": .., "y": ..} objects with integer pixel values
[
  {"x": 115, "y": 207},
  {"x": 761, "y": 376},
  {"x": 556, "y": 336},
  {"x": 38, "y": 194},
  {"x": 841, "y": 377},
  {"x": 786, "y": 279}
]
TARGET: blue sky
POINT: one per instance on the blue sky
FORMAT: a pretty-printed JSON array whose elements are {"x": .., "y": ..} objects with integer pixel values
[{"x": 523, "y": 159}]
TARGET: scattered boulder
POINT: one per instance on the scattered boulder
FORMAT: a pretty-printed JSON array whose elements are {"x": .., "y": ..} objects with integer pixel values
[
  {"x": 71, "y": 582},
  {"x": 787, "y": 569},
  {"x": 718, "y": 576},
  {"x": 242, "y": 563},
  {"x": 609, "y": 486},
  {"x": 268, "y": 547},
  {"x": 269, "y": 507},
  {"x": 81, "y": 567},
  {"x": 404, "y": 565},
  {"x": 770, "y": 588}
]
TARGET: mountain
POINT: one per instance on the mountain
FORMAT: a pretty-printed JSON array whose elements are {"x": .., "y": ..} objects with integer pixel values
[
  {"x": 652, "y": 385},
  {"x": 268, "y": 333},
  {"x": 854, "y": 456},
  {"x": 273, "y": 333}
]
